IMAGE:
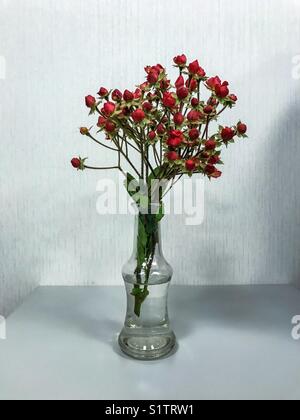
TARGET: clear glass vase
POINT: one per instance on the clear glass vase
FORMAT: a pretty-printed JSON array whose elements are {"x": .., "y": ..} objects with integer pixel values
[{"x": 147, "y": 334}]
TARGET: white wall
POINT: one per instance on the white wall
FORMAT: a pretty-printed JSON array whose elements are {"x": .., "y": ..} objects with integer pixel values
[{"x": 57, "y": 51}]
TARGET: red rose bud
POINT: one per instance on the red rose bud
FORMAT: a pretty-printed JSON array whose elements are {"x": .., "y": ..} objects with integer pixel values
[
  {"x": 137, "y": 94},
  {"x": 117, "y": 95},
  {"x": 110, "y": 126},
  {"x": 194, "y": 116},
  {"x": 182, "y": 93},
  {"x": 213, "y": 82},
  {"x": 208, "y": 109},
  {"x": 90, "y": 101},
  {"x": 169, "y": 101},
  {"x": 153, "y": 77},
  {"x": 194, "y": 134},
  {"x": 212, "y": 101},
  {"x": 190, "y": 165},
  {"x": 216, "y": 174},
  {"x": 179, "y": 82},
  {"x": 109, "y": 108},
  {"x": 176, "y": 133},
  {"x": 76, "y": 163},
  {"x": 233, "y": 97},
  {"x": 174, "y": 141},
  {"x": 180, "y": 60},
  {"x": 210, "y": 169},
  {"x": 242, "y": 128},
  {"x": 138, "y": 115},
  {"x": 191, "y": 85},
  {"x": 227, "y": 133},
  {"x": 103, "y": 92},
  {"x": 213, "y": 160},
  {"x": 178, "y": 118},
  {"x": 128, "y": 96},
  {"x": 210, "y": 144},
  {"x": 147, "y": 107},
  {"x": 152, "y": 135},
  {"x": 159, "y": 68},
  {"x": 172, "y": 156},
  {"x": 194, "y": 102},
  {"x": 222, "y": 90},
  {"x": 101, "y": 121},
  {"x": 201, "y": 72},
  {"x": 194, "y": 67},
  {"x": 161, "y": 129}
]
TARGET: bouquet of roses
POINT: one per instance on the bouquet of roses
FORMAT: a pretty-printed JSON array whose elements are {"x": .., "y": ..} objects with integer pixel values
[{"x": 168, "y": 126}]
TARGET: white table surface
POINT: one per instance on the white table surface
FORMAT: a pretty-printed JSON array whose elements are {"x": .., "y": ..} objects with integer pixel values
[{"x": 234, "y": 343}]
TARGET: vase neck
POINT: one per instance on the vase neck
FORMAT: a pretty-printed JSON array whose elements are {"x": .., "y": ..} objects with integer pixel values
[{"x": 147, "y": 233}]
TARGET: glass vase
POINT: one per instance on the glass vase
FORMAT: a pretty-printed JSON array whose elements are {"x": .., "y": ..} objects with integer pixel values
[{"x": 147, "y": 334}]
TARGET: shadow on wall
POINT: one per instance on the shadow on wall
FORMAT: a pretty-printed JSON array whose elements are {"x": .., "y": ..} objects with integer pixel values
[{"x": 283, "y": 213}]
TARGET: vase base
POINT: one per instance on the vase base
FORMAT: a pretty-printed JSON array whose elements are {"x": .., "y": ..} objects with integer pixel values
[{"x": 147, "y": 347}]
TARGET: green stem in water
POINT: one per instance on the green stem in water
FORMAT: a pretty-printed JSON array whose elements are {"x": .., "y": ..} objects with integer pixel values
[{"x": 146, "y": 244}]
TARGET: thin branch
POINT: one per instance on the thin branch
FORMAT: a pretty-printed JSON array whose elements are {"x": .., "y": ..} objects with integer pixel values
[{"x": 101, "y": 144}]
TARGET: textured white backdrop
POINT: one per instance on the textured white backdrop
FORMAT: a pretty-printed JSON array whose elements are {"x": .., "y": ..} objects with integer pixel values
[{"x": 54, "y": 52}]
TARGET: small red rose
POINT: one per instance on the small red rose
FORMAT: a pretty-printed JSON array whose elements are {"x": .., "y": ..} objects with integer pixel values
[
  {"x": 194, "y": 134},
  {"x": 210, "y": 144},
  {"x": 227, "y": 133},
  {"x": 109, "y": 108},
  {"x": 190, "y": 165},
  {"x": 216, "y": 174},
  {"x": 178, "y": 118},
  {"x": 213, "y": 82},
  {"x": 174, "y": 141},
  {"x": 161, "y": 129},
  {"x": 179, "y": 82},
  {"x": 182, "y": 93},
  {"x": 242, "y": 128},
  {"x": 222, "y": 90},
  {"x": 210, "y": 169},
  {"x": 76, "y": 163},
  {"x": 138, "y": 115},
  {"x": 137, "y": 94},
  {"x": 172, "y": 156},
  {"x": 213, "y": 160},
  {"x": 153, "y": 77},
  {"x": 208, "y": 109},
  {"x": 194, "y": 116},
  {"x": 101, "y": 121},
  {"x": 169, "y": 101},
  {"x": 233, "y": 97},
  {"x": 117, "y": 95},
  {"x": 90, "y": 101},
  {"x": 110, "y": 126},
  {"x": 147, "y": 107},
  {"x": 180, "y": 60},
  {"x": 194, "y": 67},
  {"x": 103, "y": 92},
  {"x": 191, "y": 84},
  {"x": 152, "y": 135},
  {"x": 194, "y": 102},
  {"x": 128, "y": 96}
]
